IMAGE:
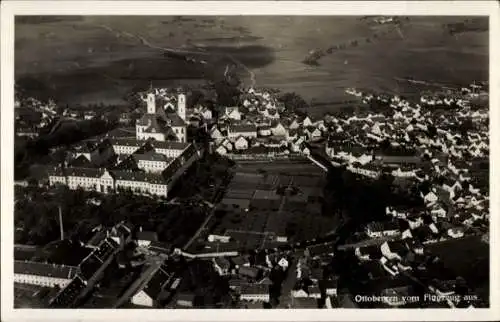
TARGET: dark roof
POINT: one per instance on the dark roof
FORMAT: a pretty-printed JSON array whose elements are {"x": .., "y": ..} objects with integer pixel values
[
  {"x": 157, "y": 282},
  {"x": 43, "y": 269},
  {"x": 175, "y": 120},
  {"x": 383, "y": 226},
  {"x": 147, "y": 235},
  {"x": 186, "y": 297},
  {"x": 372, "y": 250},
  {"x": 169, "y": 145},
  {"x": 56, "y": 171},
  {"x": 81, "y": 161},
  {"x": 97, "y": 238},
  {"x": 242, "y": 128},
  {"x": 151, "y": 156},
  {"x": 254, "y": 289},
  {"x": 126, "y": 142},
  {"x": 222, "y": 262},
  {"x": 248, "y": 271},
  {"x": 84, "y": 172},
  {"x": 398, "y": 246},
  {"x": 139, "y": 176},
  {"x": 66, "y": 297},
  {"x": 321, "y": 249}
]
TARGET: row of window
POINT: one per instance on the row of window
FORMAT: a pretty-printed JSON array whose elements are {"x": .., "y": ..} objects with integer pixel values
[{"x": 39, "y": 280}]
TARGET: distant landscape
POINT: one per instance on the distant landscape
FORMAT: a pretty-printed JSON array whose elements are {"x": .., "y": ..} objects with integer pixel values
[{"x": 91, "y": 59}]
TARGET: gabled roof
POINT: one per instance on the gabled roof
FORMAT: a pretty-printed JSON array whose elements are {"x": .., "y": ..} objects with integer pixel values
[
  {"x": 151, "y": 156},
  {"x": 242, "y": 128},
  {"x": 157, "y": 282},
  {"x": 254, "y": 289},
  {"x": 249, "y": 271},
  {"x": 175, "y": 120}
]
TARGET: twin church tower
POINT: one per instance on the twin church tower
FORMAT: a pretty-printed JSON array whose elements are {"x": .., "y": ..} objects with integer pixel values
[{"x": 165, "y": 122}]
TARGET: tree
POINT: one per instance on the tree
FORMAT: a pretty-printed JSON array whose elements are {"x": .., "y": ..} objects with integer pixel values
[{"x": 293, "y": 102}]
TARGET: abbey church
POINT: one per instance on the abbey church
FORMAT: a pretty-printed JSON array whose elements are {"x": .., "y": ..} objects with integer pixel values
[{"x": 149, "y": 163}]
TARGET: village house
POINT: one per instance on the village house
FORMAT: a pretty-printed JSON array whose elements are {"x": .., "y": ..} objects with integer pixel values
[
  {"x": 254, "y": 292},
  {"x": 278, "y": 129},
  {"x": 185, "y": 300},
  {"x": 380, "y": 229},
  {"x": 233, "y": 113},
  {"x": 221, "y": 265},
  {"x": 264, "y": 130},
  {"x": 241, "y": 143},
  {"x": 154, "y": 281}
]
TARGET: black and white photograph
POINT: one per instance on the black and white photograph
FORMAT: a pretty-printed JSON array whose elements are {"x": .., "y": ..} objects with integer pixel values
[{"x": 232, "y": 161}]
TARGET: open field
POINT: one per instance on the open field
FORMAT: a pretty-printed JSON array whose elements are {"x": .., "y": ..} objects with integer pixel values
[
  {"x": 106, "y": 57},
  {"x": 264, "y": 201}
]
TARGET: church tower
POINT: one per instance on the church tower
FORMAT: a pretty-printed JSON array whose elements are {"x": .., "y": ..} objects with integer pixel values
[
  {"x": 181, "y": 105},
  {"x": 151, "y": 101}
]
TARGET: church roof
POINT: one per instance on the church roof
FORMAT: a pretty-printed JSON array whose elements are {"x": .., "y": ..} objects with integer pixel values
[{"x": 175, "y": 119}]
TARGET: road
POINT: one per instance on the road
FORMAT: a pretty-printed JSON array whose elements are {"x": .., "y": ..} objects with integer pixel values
[
  {"x": 220, "y": 190},
  {"x": 154, "y": 264},
  {"x": 147, "y": 43},
  {"x": 286, "y": 299}
]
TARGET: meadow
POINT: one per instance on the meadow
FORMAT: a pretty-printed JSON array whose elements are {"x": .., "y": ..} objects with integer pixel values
[{"x": 89, "y": 59}]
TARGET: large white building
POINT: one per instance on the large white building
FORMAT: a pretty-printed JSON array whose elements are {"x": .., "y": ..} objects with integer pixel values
[
  {"x": 42, "y": 274},
  {"x": 157, "y": 178},
  {"x": 159, "y": 153}
]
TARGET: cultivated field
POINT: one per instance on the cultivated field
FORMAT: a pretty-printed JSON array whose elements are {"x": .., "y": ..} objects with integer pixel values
[{"x": 92, "y": 58}]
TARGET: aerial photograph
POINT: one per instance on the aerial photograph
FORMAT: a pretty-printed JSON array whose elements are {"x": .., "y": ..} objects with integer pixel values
[{"x": 251, "y": 162}]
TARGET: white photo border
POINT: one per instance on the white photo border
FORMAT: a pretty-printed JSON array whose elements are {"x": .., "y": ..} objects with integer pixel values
[{"x": 436, "y": 8}]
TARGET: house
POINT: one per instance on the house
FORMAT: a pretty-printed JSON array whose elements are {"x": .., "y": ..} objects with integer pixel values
[
  {"x": 380, "y": 229},
  {"x": 42, "y": 274},
  {"x": 254, "y": 292},
  {"x": 312, "y": 291},
  {"x": 278, "y": 129},
  {"x": 233, "y": 113},
  {"x": 221, "y": 149},
  {"x": 365, "y": 253},
  {"x": 154, "y": 281},
  {"x": 221, "y": 265},
  {"x": 185, "y": 300},
  {"x": 249, "y": 272},
  {"x": 430, "y": 198},
  {"x": 245, "y": 130},
  {"x": 241, "y": 143},
  {"x": 313, "y": 133},
  {"x": 306, "y": 122},
  {"x": 265, "y": 130},
  {"x": 294, "y": 125},
  {"x": 320, "y": 250},
  {"x": 283, "y": 263},
  {"x": 218, "y": 238},
  {"x": 241, "y": 261},
  {"x": 216, "y": 134},
  {"x": 145, "y": 238},
  {"x": 394, "y": 249},
  {"x": 456, "y": 232},
  {"x": 330, "y": 286},
  {"x": 206, "y": 113},
  {"x": 390, "y": 265}
]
